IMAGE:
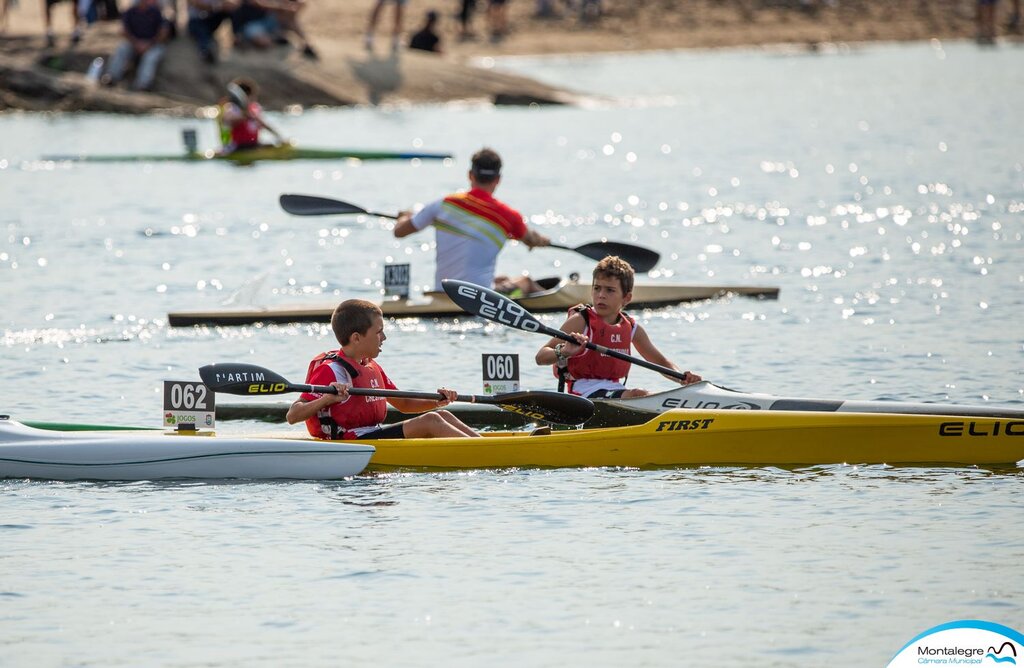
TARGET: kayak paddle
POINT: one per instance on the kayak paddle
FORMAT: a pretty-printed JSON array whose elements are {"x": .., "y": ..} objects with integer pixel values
[
  {"x": 640, "y": 258},
  {"x": 311, "y": 205},
  {"x": 478, "y": 300},
  {"x": 252, "y": 380}
]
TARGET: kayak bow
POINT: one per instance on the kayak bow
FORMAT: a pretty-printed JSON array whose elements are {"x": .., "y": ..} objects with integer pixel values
[{"x": 27, "y": 452}]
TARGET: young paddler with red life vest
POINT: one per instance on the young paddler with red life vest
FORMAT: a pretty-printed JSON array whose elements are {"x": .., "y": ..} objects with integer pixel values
[
  {"x": 241, "y": 117},
  {"x": 359, "y": 328},
  {"x": 588, "y": 372},
  {"x": 471, "y": 229}
]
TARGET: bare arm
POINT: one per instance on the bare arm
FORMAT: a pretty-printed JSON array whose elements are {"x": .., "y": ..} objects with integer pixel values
[
  {"x": 533, "y": 238},
  {"x": 423, "y": 405},
  {"x": 302, "y": 410},
  {"x": 573, "y": 325},
  {"x": 650, "y": 352},
  {"x": 404, "y": 227}
]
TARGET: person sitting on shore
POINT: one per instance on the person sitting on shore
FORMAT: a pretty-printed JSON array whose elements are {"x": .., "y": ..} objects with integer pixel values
[
  {"x": 427, "y": 38},
  {"x": 471, "y": 229},
  {"x": 240, "y": 117},
  {"x": 145, "y": 33},
  {"x": 358, "y": 326},
  {"x": 589, "y": 373},
  {"x": 254, "y": 23},
  {"x": 204, "y": 18}
]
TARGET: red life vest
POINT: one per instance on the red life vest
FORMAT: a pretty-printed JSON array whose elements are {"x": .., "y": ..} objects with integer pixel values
[
  {"x": 592, "y": 364},
  {"x": 337, "y": 420},
  {"x": 246, "y": 132}
]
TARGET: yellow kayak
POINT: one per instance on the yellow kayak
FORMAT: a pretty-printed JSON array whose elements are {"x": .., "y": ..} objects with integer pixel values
[{"x": 724, "y": 437}]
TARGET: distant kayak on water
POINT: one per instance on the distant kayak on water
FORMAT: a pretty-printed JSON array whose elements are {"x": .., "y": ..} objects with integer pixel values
[
  {"x": 250, "y": 156},
  {"x": 559, "y": 295}
]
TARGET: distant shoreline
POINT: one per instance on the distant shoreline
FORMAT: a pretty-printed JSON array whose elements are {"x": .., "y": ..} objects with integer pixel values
[{"x": 34, "y": 78}]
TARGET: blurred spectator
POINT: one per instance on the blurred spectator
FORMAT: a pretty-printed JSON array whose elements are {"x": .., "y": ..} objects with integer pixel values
[
  {"x": 204, "y": 18},
  {"x": 396, "y": 33},
  {"x": 426, "y": 39},
  {"x": 170, "y": 10},
  {"x": 288, "y": 18},
  {"x": 145, "y": 31},
  {"x": 465, "y": 18},
  {"x": 986, "y": 18},
  {"x": 497, "y": 19},
  {"x": 254, "y": 23},
  {"x": 76, "y": 19},
  {"x": 545, "y": 10},
  {"x": 107, "y": 10},
  {"x": 1013, "y": 24}
]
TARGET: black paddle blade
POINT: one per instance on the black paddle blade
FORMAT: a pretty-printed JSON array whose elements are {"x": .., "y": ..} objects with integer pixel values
[
  {"x": 478, "y": 300},
  {"x": 310, "y": 205},
  {"x": 556, "y": 407},
  {"x": 640, "y": 258},
  {"x": 244, "y": 379}
]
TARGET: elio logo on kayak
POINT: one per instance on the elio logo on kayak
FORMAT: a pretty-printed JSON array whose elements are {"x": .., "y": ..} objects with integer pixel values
[
  {"x": 505, "y": 312},
  {"x": 683, "y": 425},
  {"x": 964, "y": 642},
  {"x": 962, "y": 428},
  {"x": 686, "y": 403}
]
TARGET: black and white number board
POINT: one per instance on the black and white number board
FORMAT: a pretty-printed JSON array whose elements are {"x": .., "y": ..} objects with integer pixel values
[
  {"x": 188, "y": 405},
  {"x": 501, "y": 373}
]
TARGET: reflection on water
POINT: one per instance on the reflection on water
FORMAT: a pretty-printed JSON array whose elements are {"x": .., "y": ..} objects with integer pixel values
[{"x": 880, "y": 188}]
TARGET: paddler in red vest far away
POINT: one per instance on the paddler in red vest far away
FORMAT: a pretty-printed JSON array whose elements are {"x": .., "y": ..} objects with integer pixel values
[
  {"x": 359, "y": 328},
  {"x": 240, "y": 117},
  {"x": 587, "y": 372},
  {"x": 472, "y": 228}
]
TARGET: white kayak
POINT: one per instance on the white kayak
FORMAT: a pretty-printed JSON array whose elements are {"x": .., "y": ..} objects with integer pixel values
[
  {"x": 706, "y": 395},
  {"x": 27, "y": 452}
]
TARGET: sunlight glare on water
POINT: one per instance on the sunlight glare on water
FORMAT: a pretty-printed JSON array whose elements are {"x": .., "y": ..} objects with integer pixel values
[{"x": 881, "y": 188}]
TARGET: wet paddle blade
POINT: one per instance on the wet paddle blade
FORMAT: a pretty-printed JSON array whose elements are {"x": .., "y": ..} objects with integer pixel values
[
  {"x": 311, "y": 205},
  {"x": 556, "y": 407}
]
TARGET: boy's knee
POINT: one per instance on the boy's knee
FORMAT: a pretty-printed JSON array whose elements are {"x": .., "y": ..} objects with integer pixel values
[{"x": 432, "y": 419}]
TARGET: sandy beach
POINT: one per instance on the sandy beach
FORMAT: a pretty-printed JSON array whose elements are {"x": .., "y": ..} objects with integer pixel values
[{"x": 37, "y": 78}]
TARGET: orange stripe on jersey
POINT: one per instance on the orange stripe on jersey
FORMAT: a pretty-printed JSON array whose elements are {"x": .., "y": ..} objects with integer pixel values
[{"x": 481, "y": 204}]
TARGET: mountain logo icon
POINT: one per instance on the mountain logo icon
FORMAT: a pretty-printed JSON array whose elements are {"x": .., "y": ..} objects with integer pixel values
[{"x": 997, "y": 654}]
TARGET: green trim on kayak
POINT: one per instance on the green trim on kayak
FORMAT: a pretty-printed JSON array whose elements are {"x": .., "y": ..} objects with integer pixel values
[
  {"x": 72, "y": 426},
  {"x": 250, "y": 156}
]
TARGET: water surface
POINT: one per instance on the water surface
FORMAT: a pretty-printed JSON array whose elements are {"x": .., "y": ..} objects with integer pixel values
[{"x": 881, "y": 188}]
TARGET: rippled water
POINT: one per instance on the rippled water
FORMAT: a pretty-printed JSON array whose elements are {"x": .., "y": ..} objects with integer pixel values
[{"x": 881, "y": 188}]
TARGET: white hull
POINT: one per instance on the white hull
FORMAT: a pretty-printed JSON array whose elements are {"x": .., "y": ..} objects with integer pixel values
[
  {"x": 26, "y": 452},
  {"x": 705, "y": 395}
]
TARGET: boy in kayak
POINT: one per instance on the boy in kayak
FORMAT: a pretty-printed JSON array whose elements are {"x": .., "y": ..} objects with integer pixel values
[
  {"x": 359, "y": 327},
  {"x": 472, "y": 228},
  {"x": 240, "y": 117},
  {"x": 587, "y": 372}
]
